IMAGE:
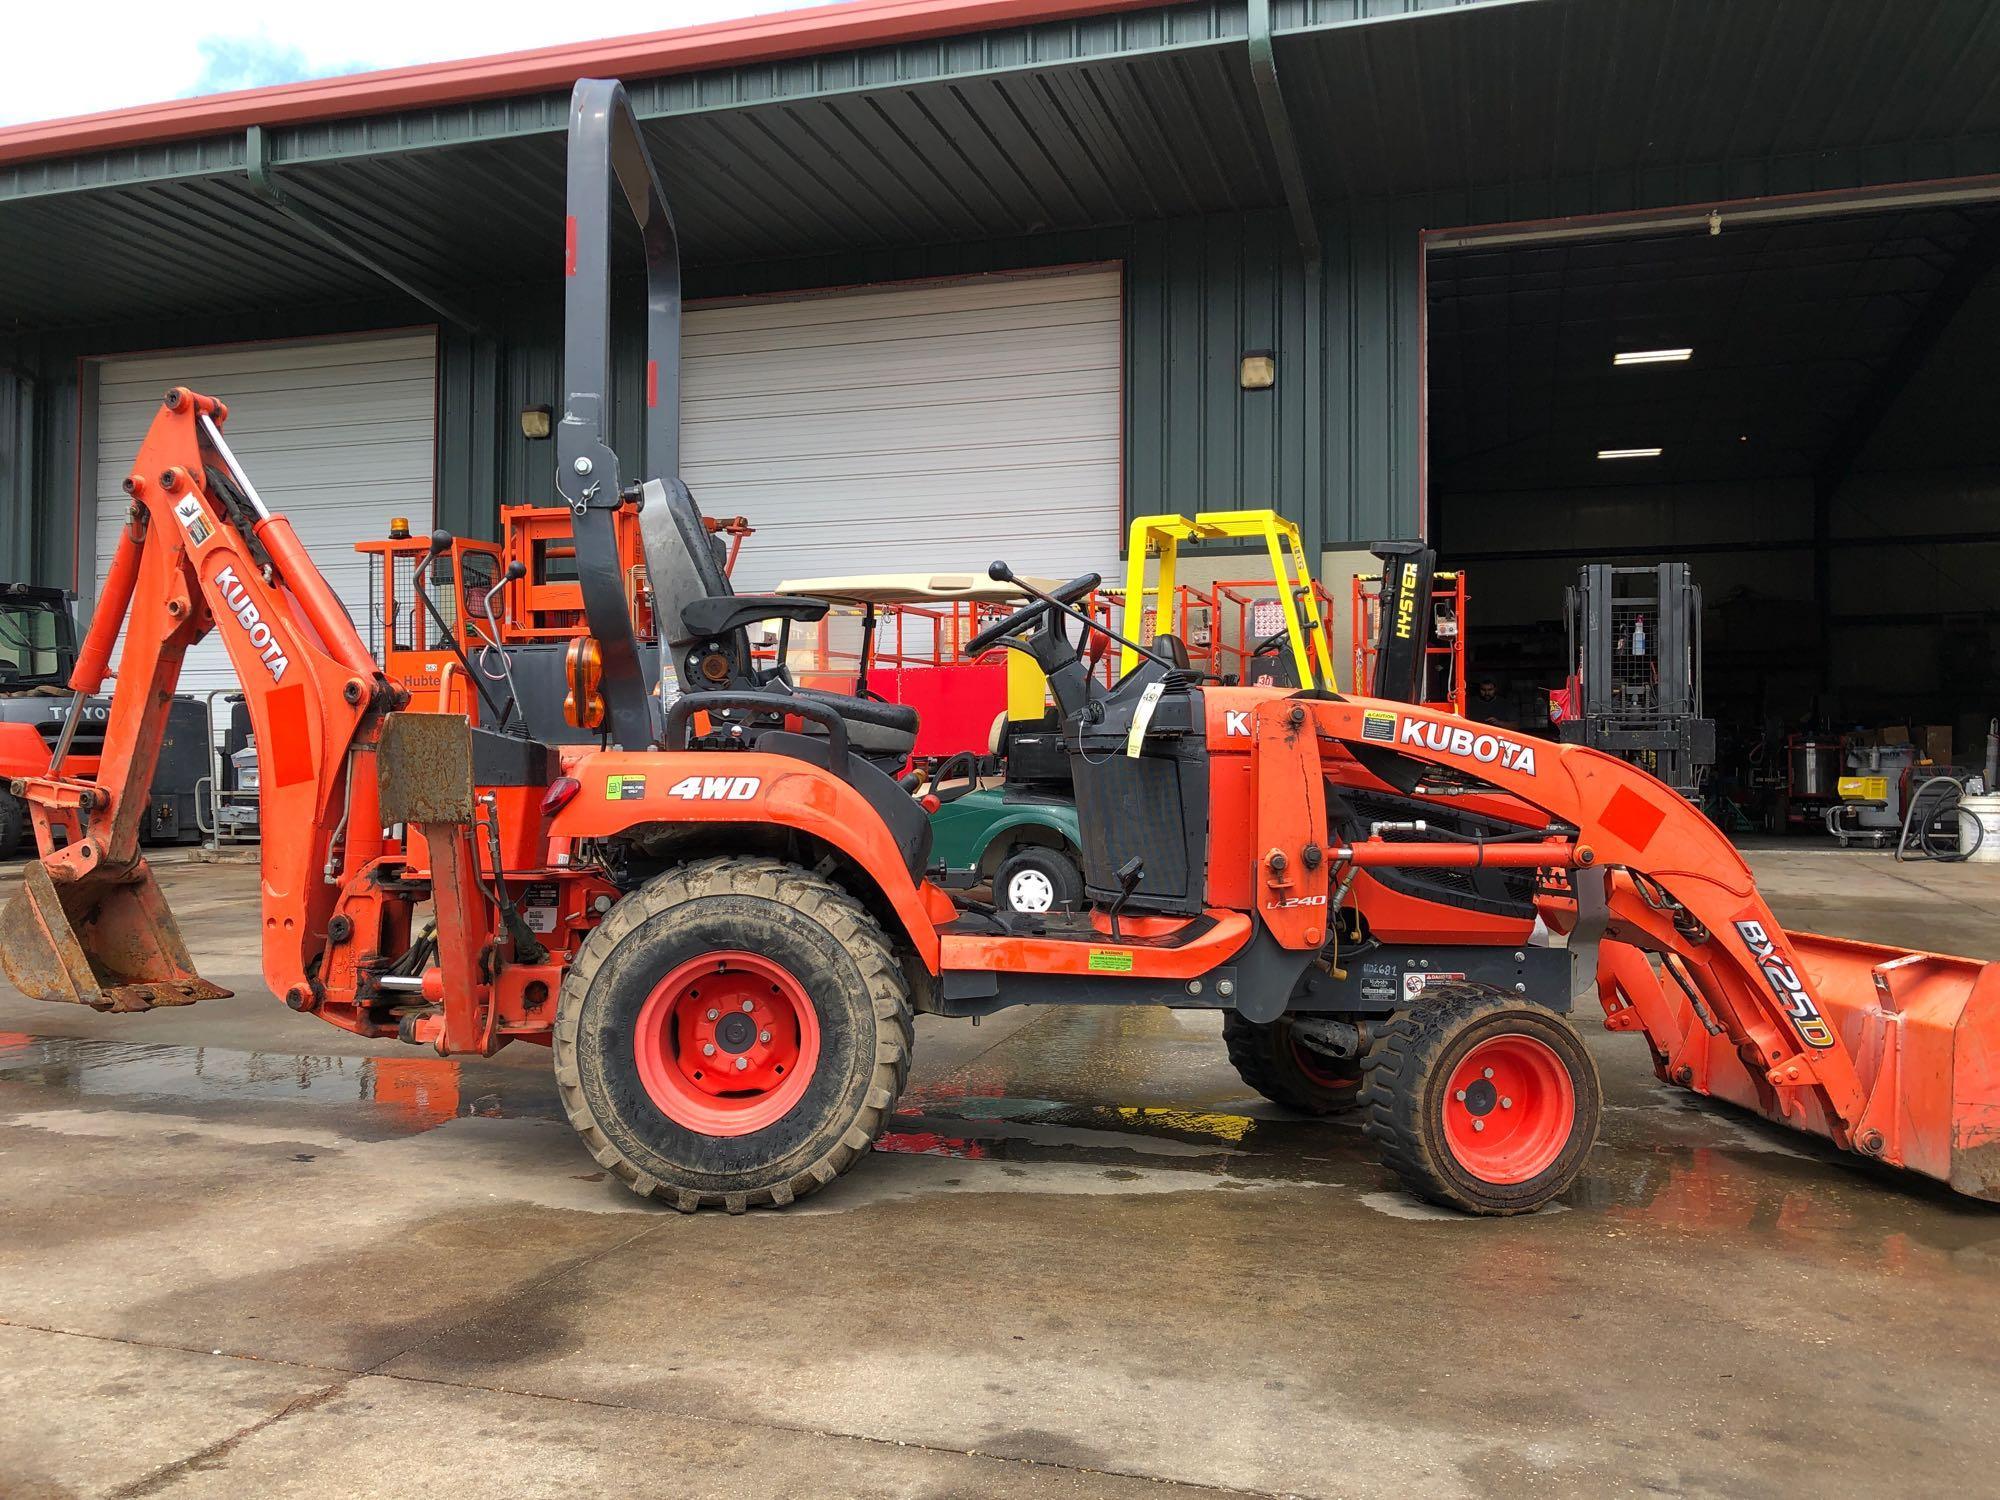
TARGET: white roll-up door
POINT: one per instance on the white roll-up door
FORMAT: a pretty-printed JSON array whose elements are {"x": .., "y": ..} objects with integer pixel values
[
  {"x": 338, "y": 434},
  {"x": 934, "y": 425}
]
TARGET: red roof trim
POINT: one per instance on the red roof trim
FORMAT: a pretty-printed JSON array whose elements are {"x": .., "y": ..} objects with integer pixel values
[{"x": 823, "y": 28}]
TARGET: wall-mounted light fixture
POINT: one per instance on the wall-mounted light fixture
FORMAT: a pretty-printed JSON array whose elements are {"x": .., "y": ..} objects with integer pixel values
[
  {"x": 537, "y": 422},
  {"x": 1259, "y": 370}
]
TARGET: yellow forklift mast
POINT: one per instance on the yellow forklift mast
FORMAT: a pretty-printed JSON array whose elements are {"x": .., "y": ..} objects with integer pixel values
[{"x": 1161, "y": 537}]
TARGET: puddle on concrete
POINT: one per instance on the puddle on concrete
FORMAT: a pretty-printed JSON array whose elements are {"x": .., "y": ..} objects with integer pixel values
[
  {"x": 1671, "y": 1170},
  {"x": 382, "y": 1095}
]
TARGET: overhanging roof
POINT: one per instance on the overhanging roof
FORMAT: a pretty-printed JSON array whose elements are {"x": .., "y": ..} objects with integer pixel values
[{"x": 890, "y": 123}]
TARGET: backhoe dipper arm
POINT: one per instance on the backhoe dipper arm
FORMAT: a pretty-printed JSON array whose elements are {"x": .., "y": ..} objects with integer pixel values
[
  {"x": 200, "y": 552},
  {"x": 1887, "y": 1053}
]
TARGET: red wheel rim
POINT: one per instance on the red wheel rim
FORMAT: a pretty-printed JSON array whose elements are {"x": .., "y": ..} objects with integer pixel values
[
  {"x": 726, "y": 1043},
  {"x": 1318, "y": 1070},
  {"x": 1509, "y": 1109}
]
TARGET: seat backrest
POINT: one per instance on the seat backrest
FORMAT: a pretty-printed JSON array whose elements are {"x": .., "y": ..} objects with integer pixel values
[
  {"x": 1174, "y": 649},
  {"x": 683, "y": 564}
]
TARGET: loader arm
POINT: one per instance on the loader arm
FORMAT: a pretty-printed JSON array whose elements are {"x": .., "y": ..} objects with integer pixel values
[
  {"x": 1888, "y": 1053},
  {"x": 199, "y": 552}
]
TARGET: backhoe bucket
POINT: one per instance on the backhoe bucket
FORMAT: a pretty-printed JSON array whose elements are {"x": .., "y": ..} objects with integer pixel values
[
  {"x": 105, "y": 940},
  {"x": 1922, "y": 1029}
]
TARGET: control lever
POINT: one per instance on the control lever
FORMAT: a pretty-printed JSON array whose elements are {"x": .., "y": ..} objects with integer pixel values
[
  {"x": 516, "y": 570},
  {"x": 1129, "y": 875},
  {"x": 441, "y": 541}
]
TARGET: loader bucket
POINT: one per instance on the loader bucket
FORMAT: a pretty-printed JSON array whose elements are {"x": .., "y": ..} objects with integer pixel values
[
  {"x": 105, "y": 939},
  {"x": 1922, "y": 1029}
]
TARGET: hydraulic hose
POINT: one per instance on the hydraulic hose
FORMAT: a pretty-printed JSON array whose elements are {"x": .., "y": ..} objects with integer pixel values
[{"x": 1927, "y": 829}]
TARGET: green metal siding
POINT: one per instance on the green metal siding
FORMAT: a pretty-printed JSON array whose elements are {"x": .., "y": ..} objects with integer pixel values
[{"x": 1199, "y": 293}]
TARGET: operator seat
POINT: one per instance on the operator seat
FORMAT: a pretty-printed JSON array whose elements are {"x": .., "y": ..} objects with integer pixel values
[{"x": 706, "y": 622}]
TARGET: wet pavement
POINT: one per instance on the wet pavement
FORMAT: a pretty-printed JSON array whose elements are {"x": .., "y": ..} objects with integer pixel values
[{"x": 243, "y": 1253}]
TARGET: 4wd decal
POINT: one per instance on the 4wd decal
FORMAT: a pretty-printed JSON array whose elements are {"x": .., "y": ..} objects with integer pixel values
[
  {"x": 714, "y": 788},
  {"x": 241, "y": 605},
  {"x": 1469, "y": 744},
  {"x": 1785, "y": 984}
]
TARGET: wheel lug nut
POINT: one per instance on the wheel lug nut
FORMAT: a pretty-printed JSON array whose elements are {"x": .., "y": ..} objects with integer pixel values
[
  {"x": 1460, "y": 1096},
  {"x": 750, "y": 1005},
  {"x": 708, "y": 1049},
  {"x": 742, "y": 1063},
  {"x": 1489, "y": 1072},
  {"x": 1506, "y": 1103},
  {"x": 763, "y": 1036},
  {"x": 1478, "y": 1124},
  {"x": 712, "y": 1014}
]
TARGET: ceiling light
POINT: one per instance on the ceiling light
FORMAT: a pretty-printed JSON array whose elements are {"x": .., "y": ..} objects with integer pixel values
[
  {"x": 1630, "y": 452},
  {"x": 1652, "y": 356}
]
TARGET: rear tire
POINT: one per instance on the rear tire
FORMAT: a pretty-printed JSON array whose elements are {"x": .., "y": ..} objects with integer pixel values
[
  {"x": 13, "y": 822},
  {"x": 1284, "y": 1070},
  {"x": 1480, "y": 1101},
  {"x": 1037, "y": 880},
  {"x": 734, "y": 1034}
]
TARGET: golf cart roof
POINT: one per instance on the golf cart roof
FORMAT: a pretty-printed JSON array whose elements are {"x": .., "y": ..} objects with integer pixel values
[{"x": 911, "y": 588}]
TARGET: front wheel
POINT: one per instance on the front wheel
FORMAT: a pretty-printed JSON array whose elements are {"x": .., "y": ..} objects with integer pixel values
[
  {"x": 734, "y": 1034},
  {"x": 1480, "y": 1101}
]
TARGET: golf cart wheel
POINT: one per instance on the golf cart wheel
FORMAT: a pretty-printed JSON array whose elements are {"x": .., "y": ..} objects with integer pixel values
[
  {"x": 1481, "y": 1101},
  {"x": 1274, "y": 1062},
  {"x": 733, "y": 1034},
  {"x": 1036, "y": 879}
]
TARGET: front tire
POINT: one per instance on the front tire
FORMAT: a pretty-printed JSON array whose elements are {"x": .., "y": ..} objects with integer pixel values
[
  {"x": 734, "y": 1034},
  {"x": 1480, "y": 1101},
  {"x": 1274, "y": 1062}
]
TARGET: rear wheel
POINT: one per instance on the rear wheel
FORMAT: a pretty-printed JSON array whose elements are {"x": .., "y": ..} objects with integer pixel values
[
  {"x": 734, "y": 1034},
  {"x": 1269, "y": 1057},
  {"x": 1480, "y": 1101}
]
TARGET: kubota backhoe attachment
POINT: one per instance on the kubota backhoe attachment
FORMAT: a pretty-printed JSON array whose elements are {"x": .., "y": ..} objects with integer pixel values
[{"x": 199, "y": 550}]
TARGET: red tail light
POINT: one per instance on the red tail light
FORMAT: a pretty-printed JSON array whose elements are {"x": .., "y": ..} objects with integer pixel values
[{"x": 562, "y": 791}]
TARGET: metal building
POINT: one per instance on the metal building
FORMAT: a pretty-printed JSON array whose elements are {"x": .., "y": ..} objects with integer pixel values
[{"x": 980, "y": 275}]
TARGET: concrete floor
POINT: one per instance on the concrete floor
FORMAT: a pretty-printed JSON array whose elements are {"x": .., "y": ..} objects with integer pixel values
[{"x": 243, "y": 1254}]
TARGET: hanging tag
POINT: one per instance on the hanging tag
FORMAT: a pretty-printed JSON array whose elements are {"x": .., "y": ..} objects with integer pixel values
[{"x": 1135, "y": 742}]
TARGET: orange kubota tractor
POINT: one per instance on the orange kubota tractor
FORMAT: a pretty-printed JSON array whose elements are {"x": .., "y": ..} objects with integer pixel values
[{"x": 718, "y": 914}]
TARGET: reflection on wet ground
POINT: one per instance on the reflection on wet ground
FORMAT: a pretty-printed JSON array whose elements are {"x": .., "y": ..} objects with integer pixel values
[
  {"x": 364, "y": 1096},
  {"x": 1666, "y": 1164}
]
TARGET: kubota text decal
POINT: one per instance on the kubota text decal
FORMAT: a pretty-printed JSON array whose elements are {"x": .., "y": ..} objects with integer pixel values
[
  {"x": 1469, "y": 744},
  {"x": 1785, "y": 984},
  {"x": 237, "y": 597}
]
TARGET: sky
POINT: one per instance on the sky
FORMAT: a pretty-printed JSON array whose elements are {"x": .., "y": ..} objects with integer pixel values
[{"x": 89, "y": 55}]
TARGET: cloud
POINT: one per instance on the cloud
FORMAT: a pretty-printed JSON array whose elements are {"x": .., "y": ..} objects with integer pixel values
[
  {"x": 249, "y": 62},
  {"x": 140, "y": 52}
]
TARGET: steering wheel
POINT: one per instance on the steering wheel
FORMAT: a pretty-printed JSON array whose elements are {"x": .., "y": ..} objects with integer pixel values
[
  {"x": 1028, "y": 614},
  {"x": 1270, "y": 644}
]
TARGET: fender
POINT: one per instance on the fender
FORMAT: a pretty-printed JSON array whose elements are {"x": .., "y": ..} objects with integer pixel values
[
  {"x": 1058, "y": 819},
  {"x": 623, "y": 789}
]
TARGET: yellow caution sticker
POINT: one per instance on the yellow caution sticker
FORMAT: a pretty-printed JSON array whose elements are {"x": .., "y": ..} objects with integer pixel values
[{"x": 1110, "y": 960}]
